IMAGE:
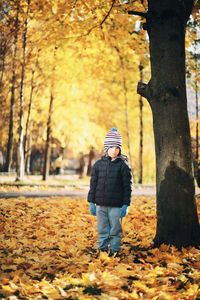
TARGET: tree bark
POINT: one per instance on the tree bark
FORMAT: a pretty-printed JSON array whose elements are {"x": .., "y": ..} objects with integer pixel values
[
  {"x": 26, "y": 138},
  {"x": 2, "y": 67},
  {"x": 140, "y": 179},
  {"x": 197, "y": 110},
  {"x": 177, "y": 219},
  {"x": 20, "y": 147},
  {"x": 125, "y": 91},
  {"x": 28, "y": 155},
  {"x": 47, "y": 153},
  {"x": 9, "y": 153}
]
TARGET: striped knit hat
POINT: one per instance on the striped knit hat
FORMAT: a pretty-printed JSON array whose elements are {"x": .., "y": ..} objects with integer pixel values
[{"x": 113, "y": 138}]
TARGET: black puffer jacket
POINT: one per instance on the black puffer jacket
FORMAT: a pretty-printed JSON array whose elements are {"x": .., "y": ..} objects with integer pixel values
[{"x": 110, "y": 183}]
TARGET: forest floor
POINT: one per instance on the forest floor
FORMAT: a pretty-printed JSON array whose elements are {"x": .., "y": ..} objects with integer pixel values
[{"x": 48, "y": 250}]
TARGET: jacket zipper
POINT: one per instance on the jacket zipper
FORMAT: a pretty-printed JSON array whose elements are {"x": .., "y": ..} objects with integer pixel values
[{"x": 107, "y": 170}]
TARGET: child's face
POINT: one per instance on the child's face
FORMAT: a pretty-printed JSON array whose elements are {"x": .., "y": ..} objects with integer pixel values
[{"x": 113, "y": 152}]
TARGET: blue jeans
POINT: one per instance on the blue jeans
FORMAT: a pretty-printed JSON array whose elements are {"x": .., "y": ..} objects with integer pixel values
[{"x": 109, "y": 227}]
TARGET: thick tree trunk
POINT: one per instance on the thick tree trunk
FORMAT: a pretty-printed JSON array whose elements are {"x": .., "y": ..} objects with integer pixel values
[
  {"x": 177, "y": 220},
  {"x": 140, "y": 179},
  {"x": 47, "y": 153}
]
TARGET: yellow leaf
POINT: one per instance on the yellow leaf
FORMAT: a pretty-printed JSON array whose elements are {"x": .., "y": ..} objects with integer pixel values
[
  {"x": 140, "y": 286},
  {"x": 193, "y": 290}
]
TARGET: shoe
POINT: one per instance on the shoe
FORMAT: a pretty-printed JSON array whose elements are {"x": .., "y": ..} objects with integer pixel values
[
  {"x": 103, "y": 250},
  {"x": 113, "y": 254}
]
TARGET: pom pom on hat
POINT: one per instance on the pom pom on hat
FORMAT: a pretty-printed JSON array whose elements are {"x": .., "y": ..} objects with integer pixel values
[
  {"x": 113, "y": 129},
  {"x": 112, "y": 139}
]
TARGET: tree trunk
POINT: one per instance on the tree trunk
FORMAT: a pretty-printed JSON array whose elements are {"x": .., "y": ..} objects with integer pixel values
[
  {"x": 197, "y": 111},
  {"x": 47, "y": 153},
  {"x": 127, "y": 122},
  {"x": 91, "y": 158},
  {"x": 26, "y": 145},
  {"x": 2, "y": 68},
  {"x": 141, "y": 130},
  {"x": 28, "y": 155},
  {"x": 20, "y": 147},
  {"x": 125, "y": 91},
  {"x": 9, "y": 153},
  {"x": 177, "y": 220}
]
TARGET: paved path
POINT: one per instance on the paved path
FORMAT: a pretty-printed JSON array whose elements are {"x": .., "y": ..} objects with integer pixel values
[{"x": 81, "y": 193}]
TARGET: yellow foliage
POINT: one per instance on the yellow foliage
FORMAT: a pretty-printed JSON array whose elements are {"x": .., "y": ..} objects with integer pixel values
[{"x": 86, "y": 54}]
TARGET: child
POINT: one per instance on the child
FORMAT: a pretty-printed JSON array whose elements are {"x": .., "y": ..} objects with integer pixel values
[{"x": 110, "y": 193}]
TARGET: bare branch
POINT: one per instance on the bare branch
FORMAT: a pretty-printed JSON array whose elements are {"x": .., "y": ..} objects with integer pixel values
[
  {"x": 108, "y": 13},
  {"x": 144, "y": 90},
  {"x": 103, "y": 20},
  {"x": 137, "y": 13}
]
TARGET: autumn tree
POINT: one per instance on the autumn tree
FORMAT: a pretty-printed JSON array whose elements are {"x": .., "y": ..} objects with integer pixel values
[
  {"x": 193, "y": 79},
  {"x": 140, "y": 175},
  {"x": 177, "y": 220},
  {"x": 15, "y": 29},
  {"x": 20, "y": 146}
]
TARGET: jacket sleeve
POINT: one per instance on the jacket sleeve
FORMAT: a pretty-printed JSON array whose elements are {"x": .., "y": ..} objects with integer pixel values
[
  {"x": 127, "y": 183},
  {"x": 93, "y": 184}
]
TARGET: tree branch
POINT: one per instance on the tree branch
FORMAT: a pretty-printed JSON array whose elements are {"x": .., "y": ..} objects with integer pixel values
[
  {"x": 103, "y": 20},
  {"x": 108, "y": 13},
  {"x": 138, "y": 13},
  {"x": 144, "y": 90}
]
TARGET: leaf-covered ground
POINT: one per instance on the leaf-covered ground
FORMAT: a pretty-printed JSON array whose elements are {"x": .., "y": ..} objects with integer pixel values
[{"x": 48, "y": 250}]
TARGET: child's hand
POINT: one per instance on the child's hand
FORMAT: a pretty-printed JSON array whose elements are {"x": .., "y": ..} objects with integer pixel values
[
  {"x": 92, "y": 209},
  {"x": 124, "y": 211}
]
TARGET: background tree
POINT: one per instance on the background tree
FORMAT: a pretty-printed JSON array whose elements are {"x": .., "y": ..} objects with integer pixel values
[
  {"x": 89, "y": 90},
  {"x": 20, "y": 145},
  {"x": 193, "y": 79},
  {"x": 15, "y": 30}
]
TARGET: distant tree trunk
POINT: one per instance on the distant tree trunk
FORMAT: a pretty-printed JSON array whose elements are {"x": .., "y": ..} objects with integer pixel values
[
  {"x": 127, "y": 121},
  {"x": 196, "y": 155},
  {"x": 47, "y": 153},
  {"x": 125, "y": 91},
  {"x": 2, "y": 68},
  {"x": 91, "y": 157},
  {"x": 141, "y": 131},
  {"x": 26, "y": 138},
  {"x": 28, "y": 155},
  {"x": 3, "y": 50},
  {"x": 9, "y": 153},
  {"x": 20, "y": 147},
  {"x": 177, "y": 219}
]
